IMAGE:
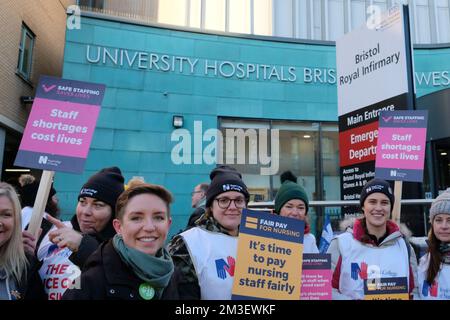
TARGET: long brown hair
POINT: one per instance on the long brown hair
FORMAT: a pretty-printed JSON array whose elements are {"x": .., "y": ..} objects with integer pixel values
[
  {"x": 435, "y": 256},
  {"x": 365, "y": 238}
]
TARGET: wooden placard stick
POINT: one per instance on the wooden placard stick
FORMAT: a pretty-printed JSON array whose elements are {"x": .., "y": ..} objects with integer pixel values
[
  {"x": 398, "y": 201},
  {"x": 40, "y": 202}
]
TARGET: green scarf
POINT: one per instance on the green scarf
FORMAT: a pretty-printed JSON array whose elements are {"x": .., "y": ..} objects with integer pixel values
[{"x": 154, "y": 270}]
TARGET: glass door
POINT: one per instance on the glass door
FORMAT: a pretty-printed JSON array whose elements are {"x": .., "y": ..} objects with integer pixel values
[{"x": 442, "y": 164}]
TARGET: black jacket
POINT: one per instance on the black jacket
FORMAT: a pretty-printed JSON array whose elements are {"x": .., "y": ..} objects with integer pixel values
[
  {"x": 198, "y": 212},
  {"x": 90, "y": 242},
  {"x": 106, "y": 277}
]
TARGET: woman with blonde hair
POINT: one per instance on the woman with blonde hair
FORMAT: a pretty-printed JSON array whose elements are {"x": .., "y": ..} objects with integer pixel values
[{"x": 18, "y": 270}]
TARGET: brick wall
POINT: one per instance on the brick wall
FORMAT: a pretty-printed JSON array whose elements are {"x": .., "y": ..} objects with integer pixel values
[{"x": 47, "y": 20}]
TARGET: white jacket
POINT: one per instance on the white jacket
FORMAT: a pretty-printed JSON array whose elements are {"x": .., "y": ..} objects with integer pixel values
[{"x": 393, "y": 239}]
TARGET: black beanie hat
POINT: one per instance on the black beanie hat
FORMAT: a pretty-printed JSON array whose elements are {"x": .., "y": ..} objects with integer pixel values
[
  {"x": 106, "y": 185},
  {"x": 224, "y": 179},
  {"x": 29, "y": 192},
  {"x": 377, "y": 185}
]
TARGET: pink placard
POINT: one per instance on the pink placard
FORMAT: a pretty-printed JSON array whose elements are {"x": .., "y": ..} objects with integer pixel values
[
  {"x": 60, "y": 127},
  {"x": 401, "y": 148},
  {"x": 316, "y": 284}
]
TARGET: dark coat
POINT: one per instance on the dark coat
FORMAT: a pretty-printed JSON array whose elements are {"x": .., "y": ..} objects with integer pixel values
[
  {"x": 107, "y": 277},
  {"x": 198, "y": 212}
]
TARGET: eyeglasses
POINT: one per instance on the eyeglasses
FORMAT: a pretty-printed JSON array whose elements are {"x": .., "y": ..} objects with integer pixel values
[
  {"x": 194, "y": 192},
  {"x": 224, "y": 203}
]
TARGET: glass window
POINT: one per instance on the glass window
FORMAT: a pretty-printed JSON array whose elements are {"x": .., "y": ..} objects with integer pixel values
[
  {"x": 240, "y": 150},
  {"x": 443, "y": 20},
  {"x": 215, "y": 15},
  {"x": 239, "y": 16},
  {"x": 298, "y": 143},
  {"x": 195, "y": 13},
  {"x": 412, "y": 23},
  {"x": 138, "y": 9},
  {"x": 358, "y": 13},
  {"x": 317, "y": 23},
  {"x": 299, "y": 153},
  {"x": 335, "y": 19},
  {"x": 283, "y": 18},
  {"x": 309, "y": 149},
  {"x": 172, "y": 12},
  {"x": 25, "y": 53},
  {"x": 301, "y": 19},
  {"x": 382, "y": 4},
  {"x": 330, "y": 164},
  {"x": 262, "y": 17},
  {"x": 423, "y": 21},
  {"x": 330, "y": 161},
  {"x": 442, "y": 164},
  {"x": 98, "y": 4}
]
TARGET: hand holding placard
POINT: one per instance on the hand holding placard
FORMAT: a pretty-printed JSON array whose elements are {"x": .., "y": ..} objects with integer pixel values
[
  {"x": 269, "y": 259},
  {"x": 58, "y": 133}
]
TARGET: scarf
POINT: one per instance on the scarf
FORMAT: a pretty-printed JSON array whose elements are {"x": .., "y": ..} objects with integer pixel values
[{"x": 156, "y": 270}]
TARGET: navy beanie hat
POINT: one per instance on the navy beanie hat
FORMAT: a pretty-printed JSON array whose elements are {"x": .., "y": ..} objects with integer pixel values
[
  {"x": 377, "y": 185},
  {"x": 224, "y": 179}
]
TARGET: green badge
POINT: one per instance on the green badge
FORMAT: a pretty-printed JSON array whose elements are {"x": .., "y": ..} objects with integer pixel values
[{"x": 146, "y": 291}]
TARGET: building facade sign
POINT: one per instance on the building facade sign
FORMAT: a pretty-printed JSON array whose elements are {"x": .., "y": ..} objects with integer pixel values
[
  {"x": 372, "y": 73},
  {"x": 143, "y": 60},
  {"x": 135, "y": 125}
]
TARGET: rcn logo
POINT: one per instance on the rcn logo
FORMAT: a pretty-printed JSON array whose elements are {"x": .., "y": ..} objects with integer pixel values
[
  {"x": 223, "y": 267},
  {"x": 356, "y": 271},
  {"x": 393, "y": 173},
  {"x": 43, "y": 159},
  {"x": 231, "y": 187},
  {"x": 432, "y": 290}
]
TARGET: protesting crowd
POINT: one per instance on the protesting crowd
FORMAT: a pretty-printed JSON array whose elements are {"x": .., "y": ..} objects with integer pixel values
[{"x": 116, "y": 244}]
